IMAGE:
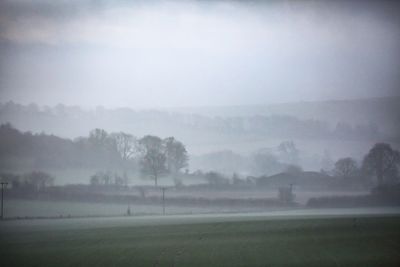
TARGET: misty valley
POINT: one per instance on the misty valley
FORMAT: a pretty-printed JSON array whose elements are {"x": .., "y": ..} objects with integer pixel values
[
  {"x": 304, "y": 163},
  {"x": 224, "y": 133}
]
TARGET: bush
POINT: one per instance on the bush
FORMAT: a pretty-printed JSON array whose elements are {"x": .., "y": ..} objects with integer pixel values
[
  {"x": 38, "y": 180},
  {"x": 215, "y": 178}
]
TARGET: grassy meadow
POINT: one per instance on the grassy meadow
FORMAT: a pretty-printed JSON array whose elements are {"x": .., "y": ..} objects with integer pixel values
[{"x": 203, "y": 241}]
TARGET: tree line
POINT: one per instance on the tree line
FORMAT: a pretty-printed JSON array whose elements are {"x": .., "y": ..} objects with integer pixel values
[
  {"x": 153, "y": 157},
  {"x": 381, "y": 162},
  {"x": 61, "y": 118},
  {"x": 150, "y": 155}
]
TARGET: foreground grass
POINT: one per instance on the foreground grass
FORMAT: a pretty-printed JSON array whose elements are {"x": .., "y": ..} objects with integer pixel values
[{"x": 364, "y": 241}]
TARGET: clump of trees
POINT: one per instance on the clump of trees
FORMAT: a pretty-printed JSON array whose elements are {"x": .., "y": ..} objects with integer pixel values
[
  {"x": 61, "y": 117},
  {"x": 346, "y": 168},
  {"x": 347, "y": 174},
  {"x": 381, "y": 164},
  {"x": 382, "y": 161},
  {"x": 155, "y": 156},
  {"x": 114, "y": 152},
  {"x": 107, "y": 178},
  {"x": 161, "y": 156},
  {"x": 34, "y": 181}
]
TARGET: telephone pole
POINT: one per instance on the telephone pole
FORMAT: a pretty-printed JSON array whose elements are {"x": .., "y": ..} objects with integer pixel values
[
  {"x": 163, "y": 199},
  {"x": 3, "y": 184}
]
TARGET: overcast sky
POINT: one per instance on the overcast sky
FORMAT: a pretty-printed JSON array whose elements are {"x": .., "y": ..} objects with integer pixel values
[{"x": 197, "y": 53}]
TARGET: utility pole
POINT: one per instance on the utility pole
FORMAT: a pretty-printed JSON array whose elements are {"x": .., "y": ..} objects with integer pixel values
[
  {"x": 163, "y": 199},
  {"x": 3, "y": 184}
]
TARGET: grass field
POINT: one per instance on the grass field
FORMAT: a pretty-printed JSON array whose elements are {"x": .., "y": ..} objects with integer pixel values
[
  {"x": 36, "y": 208},
  {"x": 203, "y": 241}
]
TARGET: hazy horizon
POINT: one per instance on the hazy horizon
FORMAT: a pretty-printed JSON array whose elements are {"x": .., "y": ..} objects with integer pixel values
[
  {"x": 199, "y": 133},
  {"x": 225, "y": 75},
  {"x": 166, "y": 54},
  {"x": 183, "y": 108}
]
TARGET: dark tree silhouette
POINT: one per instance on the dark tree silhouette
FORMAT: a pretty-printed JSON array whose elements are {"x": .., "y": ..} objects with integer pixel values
[
  {"x": 176, "y": 155},
  {"x": 345, "y": 168},
  {"x": 98, "y": 138},
  {"x": 126, "y": 145},
  {"x": 153, "y": 160},
  {"x": 382, "y": 161},
  {"x": 38, "y": 180}
]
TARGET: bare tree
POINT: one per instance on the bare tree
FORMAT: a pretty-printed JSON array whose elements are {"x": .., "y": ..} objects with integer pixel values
[
  {"x": 153, "y": 160},
  {"x": 346, "y": 168},
  {"x": 98, "y": 138},
  {"x": 126, "y": 145},
  {"x": 382, "y": 161},
  {"x": 101, "y": 178},
  {"x": 176, "y": 155},
  {"x": 38, "y": 180}
]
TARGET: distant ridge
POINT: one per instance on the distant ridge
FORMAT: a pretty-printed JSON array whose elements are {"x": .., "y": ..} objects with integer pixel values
[
  {"x": 381, "y": 111},
  {"x": 384, "y": 111},
  {"x": 266, "y": 109}
]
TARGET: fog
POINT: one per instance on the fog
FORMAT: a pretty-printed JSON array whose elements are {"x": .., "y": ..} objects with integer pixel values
[
  {"x": 199, "y": 108},
  {"x": 151, "y": 54},
  {"x": 199, "y": 133}
]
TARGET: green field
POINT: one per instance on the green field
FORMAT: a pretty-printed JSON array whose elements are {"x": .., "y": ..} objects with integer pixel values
[{"x": 203, "y": 241}]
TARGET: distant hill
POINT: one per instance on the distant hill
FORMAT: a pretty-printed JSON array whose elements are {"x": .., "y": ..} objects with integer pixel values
[
  {"x": 383, "y": 111},
  {"x": 314, "y": 126}
]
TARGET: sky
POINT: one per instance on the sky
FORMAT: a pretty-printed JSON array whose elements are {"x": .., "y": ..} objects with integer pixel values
[{"x": 149, "y": 54}]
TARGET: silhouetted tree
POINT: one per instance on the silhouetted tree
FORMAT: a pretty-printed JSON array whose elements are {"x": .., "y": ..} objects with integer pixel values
[
  {"x": 102, "y": 178},
  {"x": 38, "y": 180},
  {"x": 11, "y": 178},
  {"x": 106, "y": 178},
  {"x": 176, "y": 155},
  {"x": 346, "y": 168},
  {"x": 126, "y": 145},
  {"x": 98, "y": 138},
  {"x": 153, "y": 160},
  {"x": 382, "y": 161}
]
